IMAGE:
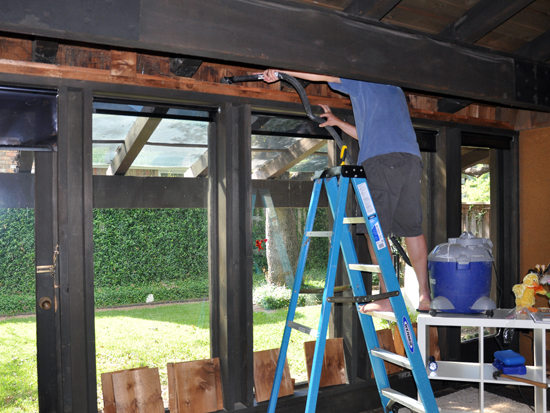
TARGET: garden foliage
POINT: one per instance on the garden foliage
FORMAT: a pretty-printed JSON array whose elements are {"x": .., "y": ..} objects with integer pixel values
[{"x": 137, "y": 252}]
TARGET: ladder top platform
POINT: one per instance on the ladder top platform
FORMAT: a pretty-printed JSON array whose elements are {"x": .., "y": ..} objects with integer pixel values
[{"x": 347, "y": 171}]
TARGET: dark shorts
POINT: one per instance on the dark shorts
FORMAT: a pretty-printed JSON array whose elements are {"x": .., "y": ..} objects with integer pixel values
[{"x": 394, "y": 184}]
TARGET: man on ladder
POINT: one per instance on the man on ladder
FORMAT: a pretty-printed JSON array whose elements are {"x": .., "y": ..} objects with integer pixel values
[{"x": 391, "y": 158}]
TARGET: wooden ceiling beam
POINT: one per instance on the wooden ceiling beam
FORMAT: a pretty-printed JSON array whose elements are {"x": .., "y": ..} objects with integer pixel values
[
  {"x": 474, "y": 157},
  {"x": 199, "y": 167},
  {"x": 135, "y": 140},
  {"x": 44, "y": 51},
  {"x": 211, "y": 89},
  {"x": 184, "y": 67},
  {"x": 26, "y": 161},
  {"x": 450, "y": 105},
  {"x": 288, "y": 158},
  {"x": 537, "y": 49},
  {"x": 371, "y": 9},
  {"x": 316, "y": 39},
  {"x": 482, "y": 19}
]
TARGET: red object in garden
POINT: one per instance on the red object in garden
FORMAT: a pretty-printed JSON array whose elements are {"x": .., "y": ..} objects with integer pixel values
[{"x": 259, "y": 243}]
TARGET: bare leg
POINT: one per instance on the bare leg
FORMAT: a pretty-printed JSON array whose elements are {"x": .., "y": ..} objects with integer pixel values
[
  {"x": 418, "y": 254},
  {"x": 382, "y": 305}
]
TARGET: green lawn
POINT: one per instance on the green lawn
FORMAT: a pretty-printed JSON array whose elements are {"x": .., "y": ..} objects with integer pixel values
[
  {"x": 145, "y": 336},
  {"x": 142, "y": 336},
  {"x": 18, "y": 387}
]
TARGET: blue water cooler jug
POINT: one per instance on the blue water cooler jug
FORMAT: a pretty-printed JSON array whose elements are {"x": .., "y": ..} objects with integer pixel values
[{"x": 460, "y": 275}]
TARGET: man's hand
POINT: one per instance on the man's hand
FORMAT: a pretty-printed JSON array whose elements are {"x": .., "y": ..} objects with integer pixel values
[
  {"x": 333, "y": 120},
  {"x": 270, "y": 76}
]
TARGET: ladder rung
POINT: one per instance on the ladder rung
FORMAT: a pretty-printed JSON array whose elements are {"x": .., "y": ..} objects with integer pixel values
[
  {"x": 386, "y": 315},
  {"x": 324, "y": 234},
  {"x": 365, "y": 267},
  {"x": 354, "y": 220},
  {"x": 406, "y": 401},
  {"x": 391, "y": 357},
  {"x": 302, "y": 328}
]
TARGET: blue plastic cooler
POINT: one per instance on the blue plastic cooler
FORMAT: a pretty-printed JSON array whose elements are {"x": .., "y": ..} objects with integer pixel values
[{"x": 460, "y": 275}]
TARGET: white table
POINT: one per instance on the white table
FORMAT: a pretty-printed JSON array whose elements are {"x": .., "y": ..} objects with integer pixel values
[{"x": 481, "y": 372}]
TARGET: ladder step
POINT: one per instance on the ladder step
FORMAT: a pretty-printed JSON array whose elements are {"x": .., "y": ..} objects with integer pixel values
[
  {"x": 395, "y": 396},
  {"x": 365, "y": 267},
  {"x": 363, "y": 298},
  {"x": 385, "y": 315},
  {"x": 323, "y": 234},
  {"x": 354, "y": 220},
  {"x": 302, "y": 328},
  {"x": 391, "y": 357}
]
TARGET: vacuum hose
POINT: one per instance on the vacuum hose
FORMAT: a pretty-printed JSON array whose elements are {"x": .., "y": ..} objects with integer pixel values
[
  {"x": 307, "y": 107},
  {"x": 305, "y": 102}
]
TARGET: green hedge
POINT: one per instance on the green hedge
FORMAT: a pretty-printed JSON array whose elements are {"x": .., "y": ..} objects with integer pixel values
[
  {"x": 16, "y": 250},
  {"x": 137, "y": 252},
  {"x": 144, "y": 246}
]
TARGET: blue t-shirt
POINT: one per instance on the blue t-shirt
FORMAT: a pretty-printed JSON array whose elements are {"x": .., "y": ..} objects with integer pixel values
[{"x": 381, "y": 117}]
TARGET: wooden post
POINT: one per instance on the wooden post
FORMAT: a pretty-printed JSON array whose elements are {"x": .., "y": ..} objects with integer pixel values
[{"x": 230, "y": 251}]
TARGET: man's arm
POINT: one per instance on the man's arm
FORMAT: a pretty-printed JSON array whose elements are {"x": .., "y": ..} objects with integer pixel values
[
  {"x": 333, "y": 120},
  {"x": 270, "y": 76}
]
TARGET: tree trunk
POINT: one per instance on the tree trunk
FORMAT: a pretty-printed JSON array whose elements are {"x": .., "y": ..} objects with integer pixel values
[
  {"x": 281, "y": 245},
  {"x": 283, "y": 242}
]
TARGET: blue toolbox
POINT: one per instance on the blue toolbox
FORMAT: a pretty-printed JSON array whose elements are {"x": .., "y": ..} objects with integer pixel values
[{"x": 510, "y": 362}]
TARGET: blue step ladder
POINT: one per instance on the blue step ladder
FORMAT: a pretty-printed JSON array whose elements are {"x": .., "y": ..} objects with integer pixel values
[{"x": 336, "y": 182}]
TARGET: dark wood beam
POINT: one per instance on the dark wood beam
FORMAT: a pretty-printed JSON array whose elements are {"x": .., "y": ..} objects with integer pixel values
[
  {"x": 48, "y": 355},
  {"x": 537, "y": 49},
  {"x": 16, "y": 190},
  {"x": 371, "y": 9},
  {"x": 135, "y": 140},
  {"x": 184, "y": 67},
  {"x": 288, "y": 158},
  {"x": 245, "y": 32},
  {"x": 199, "y": 167},
  {"x": 44, "y": 51},
  {"x": 230, "y": 234},
  {"x": 483, "y": 18},
  {"x": 75, "y": 334},
  {"x": 474, "y": 157},
  {"x": 505, "y": 218},
  {"x": 451, "y": 105},
  {"x": 26, "y": 160}
]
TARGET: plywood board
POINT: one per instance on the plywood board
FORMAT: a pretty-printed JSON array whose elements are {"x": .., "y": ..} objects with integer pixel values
[
  {"x": 265, "y": 364},
  {"x": 108, "y": 390},
  {"x": 195, "y": 386},
  {"x": 385, "y": 341},
  {"x": 400, "y": 346},
  {"x": 132, "y": 391},
  {"x": 334, "y": 366}
]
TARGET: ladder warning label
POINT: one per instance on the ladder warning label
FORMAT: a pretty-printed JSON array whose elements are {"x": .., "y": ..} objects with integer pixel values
[
  {"x": 377, "y": 235},
  {"x": 367, "y": 200}
]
